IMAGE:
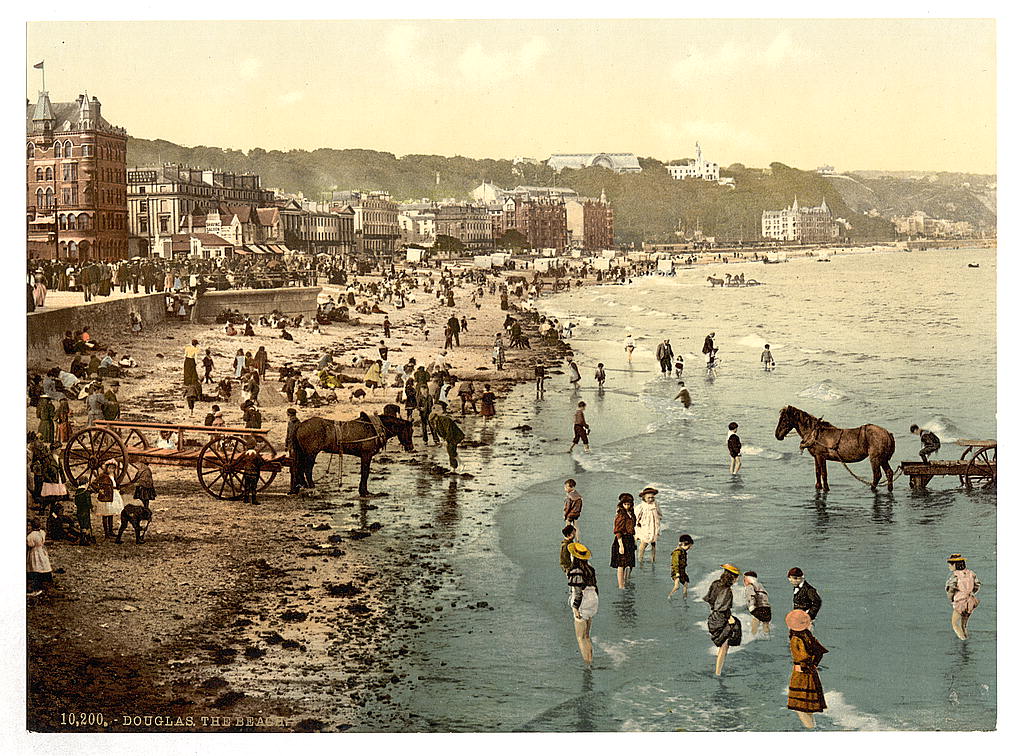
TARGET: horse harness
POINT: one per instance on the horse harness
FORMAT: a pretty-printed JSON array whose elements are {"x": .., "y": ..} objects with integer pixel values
[
  {"x": 812, "y": 437},
  {"x": 379, "y": 436}
]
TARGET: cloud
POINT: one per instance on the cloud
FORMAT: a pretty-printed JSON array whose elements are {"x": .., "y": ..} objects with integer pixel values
[
  {"x": 250, "y": 67},
  {"x": 404, "y": 47},
  {"x": 731, "y": 57},
  {"x": 481, "y": 66},
  {"x": 290, "y": 98},
  {"x": 401, "y": 42}
]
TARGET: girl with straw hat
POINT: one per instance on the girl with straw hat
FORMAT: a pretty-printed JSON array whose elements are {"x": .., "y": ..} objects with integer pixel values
[
  {"x": 725, "y": 630},
  {"x": 582, "y": 597},
  {"x": 961, "y": 586},
  {"x": 806, "y": 696}
]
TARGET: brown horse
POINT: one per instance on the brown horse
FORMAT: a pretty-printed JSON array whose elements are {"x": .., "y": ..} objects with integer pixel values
[
  {"x": 826, "y": 442},
  {"x": 361, "y": 438}
]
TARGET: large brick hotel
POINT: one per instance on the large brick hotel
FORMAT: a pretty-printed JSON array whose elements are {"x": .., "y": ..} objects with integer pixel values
[{"x": 75, "y": 162}]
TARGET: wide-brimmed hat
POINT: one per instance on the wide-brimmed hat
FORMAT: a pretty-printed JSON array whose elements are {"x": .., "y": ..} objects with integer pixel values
[
  {"x": 649, "y": 490},
  {"x": 109, "y": 462},
  {"x": 731, "y": 568},
  {"x": 956, "y": 558},
  {"x": 798, "y": 620},
  {"x": 579, "y": 551}
]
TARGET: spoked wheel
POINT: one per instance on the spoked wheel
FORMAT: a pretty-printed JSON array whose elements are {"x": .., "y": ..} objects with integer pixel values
[
  {"x": 220, "y": 466},
  {"x": 91, "y": 448},
  {"x": 981, "y": 470},
  {"x": 136, "y": 439}
]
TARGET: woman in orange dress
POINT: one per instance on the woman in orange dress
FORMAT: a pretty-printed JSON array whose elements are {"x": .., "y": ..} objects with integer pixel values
[{"x": 806, "y": 696}]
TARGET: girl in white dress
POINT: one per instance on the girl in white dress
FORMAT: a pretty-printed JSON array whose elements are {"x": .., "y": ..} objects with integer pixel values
[{"x": 648, "y": 523}]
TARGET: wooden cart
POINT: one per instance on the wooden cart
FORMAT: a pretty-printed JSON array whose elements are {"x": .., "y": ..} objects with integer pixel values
[
  {"x": 217, "y": 461},
  {"x": 976, "y": 467}
]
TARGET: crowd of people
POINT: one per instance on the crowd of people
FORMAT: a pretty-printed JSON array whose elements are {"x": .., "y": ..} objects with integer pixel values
[{"x": 152, "y": 275}]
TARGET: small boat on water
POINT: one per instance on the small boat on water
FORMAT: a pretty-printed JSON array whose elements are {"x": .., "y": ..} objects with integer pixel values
[{"x": 973, "y": 265}]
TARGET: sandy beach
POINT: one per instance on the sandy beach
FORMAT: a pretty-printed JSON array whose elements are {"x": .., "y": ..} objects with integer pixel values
[{"x": 235, "y": 617}]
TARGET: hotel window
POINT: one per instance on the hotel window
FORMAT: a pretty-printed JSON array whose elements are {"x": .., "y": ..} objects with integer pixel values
[
  {"x": 67, "y": 148},
  {"x": 70, "y": 172},
  {"x": 30, "y": 150},
  {"x": 39, "y": 174}
]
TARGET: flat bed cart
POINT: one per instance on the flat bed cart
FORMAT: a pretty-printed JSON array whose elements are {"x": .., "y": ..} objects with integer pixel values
[
  {"x": 217, "y": 462},
  {"x": 976, "y": 467}
]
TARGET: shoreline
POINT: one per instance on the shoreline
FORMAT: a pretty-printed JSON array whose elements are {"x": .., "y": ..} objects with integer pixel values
[{"x": 251, "y": 605}]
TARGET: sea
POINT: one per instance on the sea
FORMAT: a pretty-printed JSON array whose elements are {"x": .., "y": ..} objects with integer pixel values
[{"x": 891, "y": 338}]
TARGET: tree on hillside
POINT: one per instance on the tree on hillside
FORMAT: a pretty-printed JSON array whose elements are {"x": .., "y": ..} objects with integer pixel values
[{"x": 512, "y": 239}]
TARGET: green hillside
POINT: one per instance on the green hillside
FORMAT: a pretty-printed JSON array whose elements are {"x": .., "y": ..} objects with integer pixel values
[{"x": 648, "y": 206}]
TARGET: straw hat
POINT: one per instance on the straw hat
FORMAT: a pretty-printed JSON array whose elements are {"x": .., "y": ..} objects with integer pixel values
[
  {"x": 956, "y": 558},
  {"x": 649, "y": 490},
  {"x": 730, "y": 568},
  {"x": 798, "y": 620},
  {"x": 579, "y": 551}
]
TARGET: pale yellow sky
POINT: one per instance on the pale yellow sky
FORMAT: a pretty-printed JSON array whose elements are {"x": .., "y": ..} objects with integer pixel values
[{"x": 859, "y": 94}]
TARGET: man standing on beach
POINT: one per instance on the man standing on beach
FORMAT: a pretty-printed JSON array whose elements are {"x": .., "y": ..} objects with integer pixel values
[
  {"x": 290, "y": 446},
  {"x": 805, "y": 597},
  {"x": 453, "y": 323},
  {"x": 665, "y": 355}
]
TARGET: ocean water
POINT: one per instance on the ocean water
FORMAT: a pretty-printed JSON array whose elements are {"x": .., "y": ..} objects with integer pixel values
[{"x": 892, "y": 339}]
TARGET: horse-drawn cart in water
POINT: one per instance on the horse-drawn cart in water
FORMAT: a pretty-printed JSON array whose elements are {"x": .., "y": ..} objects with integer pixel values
[
  {"x": 976, "y": 467},
  {"x": 217, "y": 461}
]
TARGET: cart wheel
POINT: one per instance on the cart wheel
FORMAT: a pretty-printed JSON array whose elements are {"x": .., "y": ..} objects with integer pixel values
[
  {"x": 136, "y": 439},
  {"x": 218, "y": 467},
  {"x": 268, "y": 452},
  {"x": 91, "y": 448},
  {"x": 981, "y": 470}
]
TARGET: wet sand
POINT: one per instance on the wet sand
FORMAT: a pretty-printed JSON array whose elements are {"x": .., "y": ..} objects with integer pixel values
[{"x": 283, "y": 617}]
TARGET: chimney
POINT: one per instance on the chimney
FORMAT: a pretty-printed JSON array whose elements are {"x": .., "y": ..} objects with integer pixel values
[{"x": 95, "y": 108}]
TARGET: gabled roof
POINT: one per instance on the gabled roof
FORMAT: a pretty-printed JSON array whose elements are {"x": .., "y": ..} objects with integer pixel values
[{"x": 268, "y": 216}]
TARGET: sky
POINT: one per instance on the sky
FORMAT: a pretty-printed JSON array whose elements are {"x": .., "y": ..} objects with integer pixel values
[{"x": 884, "y": 94}]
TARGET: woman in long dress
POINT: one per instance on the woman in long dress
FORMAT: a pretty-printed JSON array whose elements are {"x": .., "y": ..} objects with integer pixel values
[
  {"x": 191, "y": 375},
  {"x": 648, "y": 523},
  {"x": 583, "y": 599},
  {"x": 239, "y": 363},
  {"x": 39, "y": 291},
  {"x": 961, "y": 586},
  {"x": 806, "y": 696},
  {"x": 725, "y": 630},
  {"x": 624, "y": 539}
]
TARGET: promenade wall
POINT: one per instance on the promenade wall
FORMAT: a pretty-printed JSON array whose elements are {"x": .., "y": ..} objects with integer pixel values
[
  {"x": 291, "y": 300},
  {"x": 108, "y": 322}
]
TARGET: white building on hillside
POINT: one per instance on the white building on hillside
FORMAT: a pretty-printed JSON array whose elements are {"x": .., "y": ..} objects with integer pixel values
[{"x": 698, "y": 169}]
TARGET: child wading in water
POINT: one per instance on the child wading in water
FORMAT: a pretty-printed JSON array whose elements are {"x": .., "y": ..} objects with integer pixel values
[
  {"x": 580, "y": 428},
  {"x": 679, "y": 558},
  {"x": 767, "y": 361},
  {"x": 735, "y": 447},
  {"x": 599, "y": 375}
]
